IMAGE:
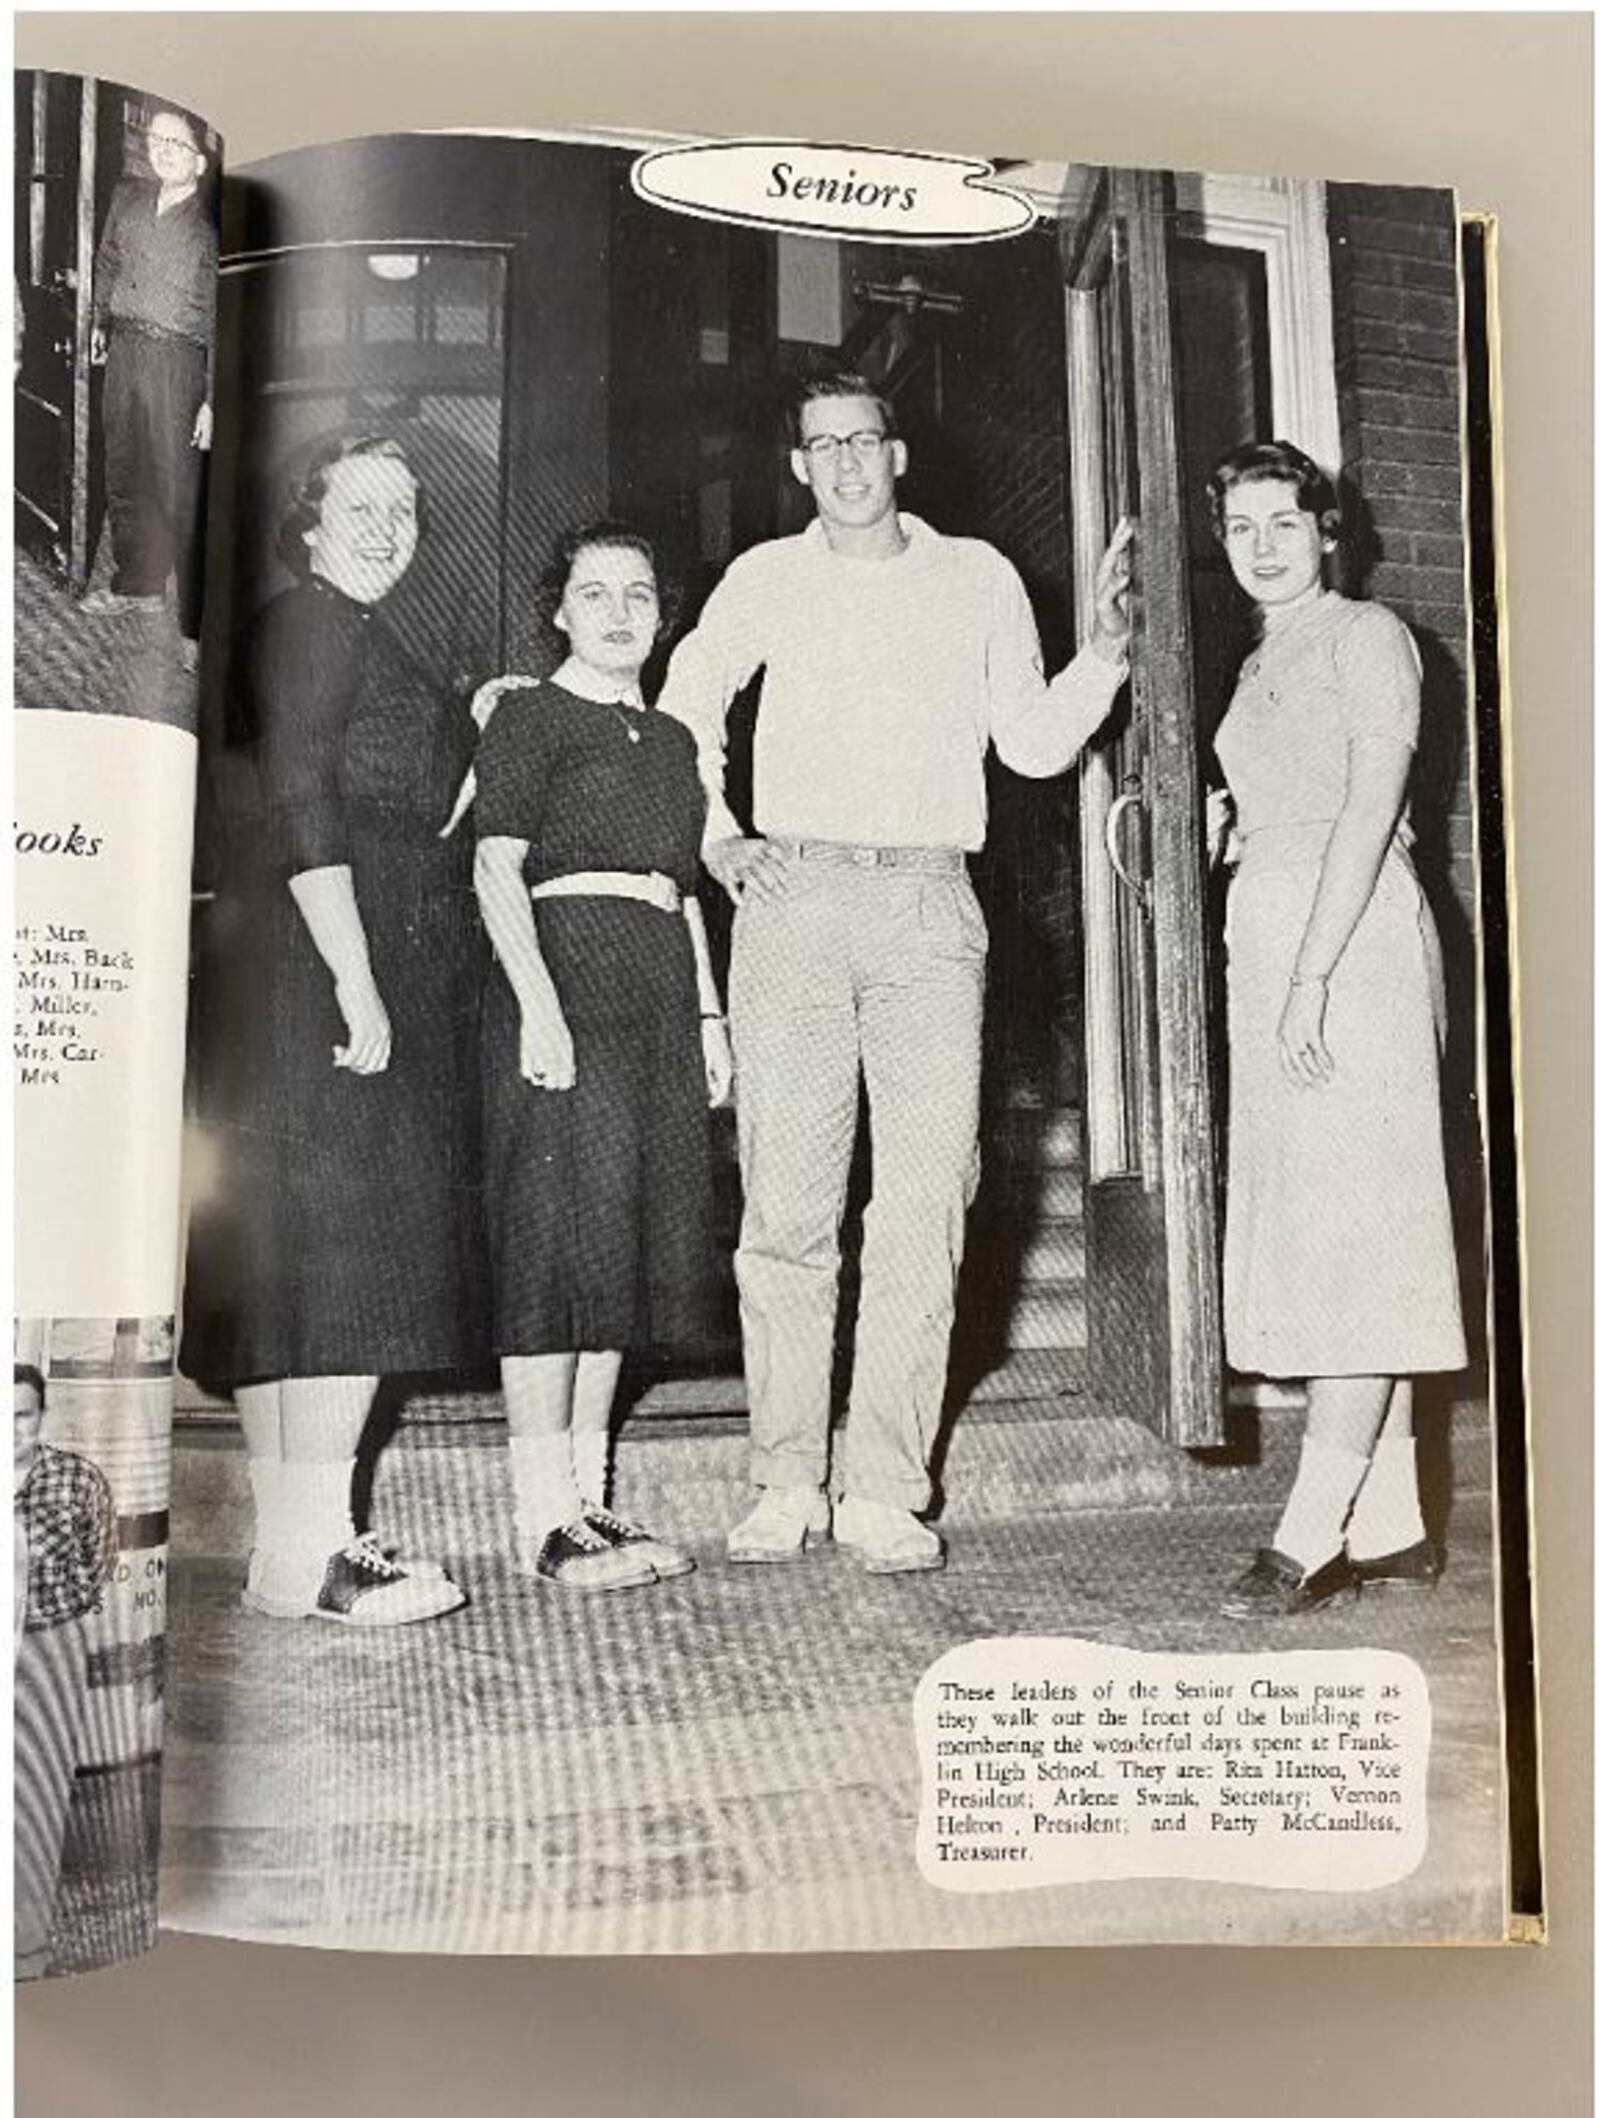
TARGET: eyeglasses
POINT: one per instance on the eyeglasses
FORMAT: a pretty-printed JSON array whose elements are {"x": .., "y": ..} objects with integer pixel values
[{"x": 866, "y": 445}]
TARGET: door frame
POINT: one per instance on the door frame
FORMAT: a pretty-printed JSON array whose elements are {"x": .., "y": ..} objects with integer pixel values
[
  {"x": 1284, "y": 222},
  {"x": 61, "y": 102}
]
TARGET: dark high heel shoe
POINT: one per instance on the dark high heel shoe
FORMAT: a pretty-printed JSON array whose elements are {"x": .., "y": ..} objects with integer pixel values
[
  {"x": 1417, "y": 1566},
  {"x": 1276, "y": 1586}
]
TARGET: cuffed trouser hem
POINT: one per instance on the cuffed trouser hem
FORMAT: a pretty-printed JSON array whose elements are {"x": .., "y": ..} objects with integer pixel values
[
  {"x": 891, "y": 1492},
  {"x": 786, "y": 1474}
]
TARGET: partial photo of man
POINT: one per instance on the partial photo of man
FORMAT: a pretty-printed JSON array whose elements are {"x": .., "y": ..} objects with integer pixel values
[
  {"x": 892, "y": 657},
  {"x": 154, "y": 296}
]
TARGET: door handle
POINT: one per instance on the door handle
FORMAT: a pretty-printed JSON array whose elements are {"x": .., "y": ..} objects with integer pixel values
[{"x": 1135, "y": 885}]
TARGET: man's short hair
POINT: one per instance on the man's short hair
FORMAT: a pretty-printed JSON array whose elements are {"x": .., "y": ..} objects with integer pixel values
[
  {"x": 835, "y": 382},
  {"x": 26, "y": 1372},
  {"x": 190, "y": 124}
]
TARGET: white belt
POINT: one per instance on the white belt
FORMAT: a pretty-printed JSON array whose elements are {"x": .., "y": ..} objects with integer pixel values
[{"x": 652, "y": 889}]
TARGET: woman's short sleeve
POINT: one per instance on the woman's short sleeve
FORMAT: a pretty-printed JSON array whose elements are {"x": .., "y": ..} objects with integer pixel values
[
  {"x": 1380, "y": 675},
  {"x": 517, "y": 757},
  {"x": 304, "y": 674}
]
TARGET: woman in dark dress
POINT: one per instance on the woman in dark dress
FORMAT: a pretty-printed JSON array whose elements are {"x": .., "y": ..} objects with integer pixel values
[
  {"x": 338, "y": 1043},
  {"x": 603, "y": 1039}
]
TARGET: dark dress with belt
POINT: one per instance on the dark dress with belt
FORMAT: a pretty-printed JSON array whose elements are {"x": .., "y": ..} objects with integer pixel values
[
  {"x": 599, "y": 1197},
  {"x": 339, "y": 1232}
]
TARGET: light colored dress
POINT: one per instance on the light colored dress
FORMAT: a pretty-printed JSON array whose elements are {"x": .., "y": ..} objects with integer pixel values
[{"x": 1339, "y": 1257}]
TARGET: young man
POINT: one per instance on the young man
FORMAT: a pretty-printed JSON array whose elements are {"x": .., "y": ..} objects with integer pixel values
[
  {"x": 64, "y": 1551},
  {"x": 154, "y": 301},
  {"x": 893, "y": 656}
]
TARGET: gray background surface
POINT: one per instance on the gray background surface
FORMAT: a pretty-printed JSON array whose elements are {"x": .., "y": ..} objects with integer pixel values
[{"x": 1499, "y": 105}]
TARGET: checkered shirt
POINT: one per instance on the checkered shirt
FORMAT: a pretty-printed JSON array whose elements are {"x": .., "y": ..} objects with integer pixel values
[{"x": 66, "y": 1512}]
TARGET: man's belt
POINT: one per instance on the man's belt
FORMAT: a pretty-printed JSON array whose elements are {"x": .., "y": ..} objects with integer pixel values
[
  {"x": 161, "y": 333},
  {"x": 922, "y": 860}
]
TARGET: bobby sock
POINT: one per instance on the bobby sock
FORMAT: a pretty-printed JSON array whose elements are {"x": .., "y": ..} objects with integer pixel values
[
  {"x": 591, "y": 1459},
  {"x": 1387, "y": 1516},
  {"x": 547, "y": 1496},
  {"x": 302, "y": 1519},
  {"x": 1311, "y": 1529}
]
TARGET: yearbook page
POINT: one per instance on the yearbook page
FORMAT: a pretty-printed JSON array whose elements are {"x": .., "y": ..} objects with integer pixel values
[
  {"x": 849, "y": 1274},
  {"x": 115, "y": 209},
  {"x": 838, "y": 1284}
]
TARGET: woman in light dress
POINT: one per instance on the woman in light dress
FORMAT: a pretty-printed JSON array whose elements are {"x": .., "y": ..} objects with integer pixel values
[{"x": 1339, "y": 1263}]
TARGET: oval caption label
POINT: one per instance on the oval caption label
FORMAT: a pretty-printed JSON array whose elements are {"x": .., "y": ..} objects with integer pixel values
[{"x": 870, "y": 194}]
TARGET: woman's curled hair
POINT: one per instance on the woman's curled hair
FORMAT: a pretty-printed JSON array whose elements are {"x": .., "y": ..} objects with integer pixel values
[
  {"x": 304, "y": 511},
  {"x": 608, "y": 536},
  {"x": 1279, "y": 462}
]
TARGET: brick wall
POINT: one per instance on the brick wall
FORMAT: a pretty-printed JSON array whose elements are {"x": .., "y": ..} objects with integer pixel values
[{"x": 1397, "y": 361}]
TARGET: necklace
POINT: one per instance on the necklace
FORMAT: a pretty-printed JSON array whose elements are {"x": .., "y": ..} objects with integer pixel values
[{"x": 582, "y": 684}]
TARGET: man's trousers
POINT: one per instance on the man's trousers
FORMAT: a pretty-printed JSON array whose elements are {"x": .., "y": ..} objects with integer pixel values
[
  {"x": 857, "y": 971},
  {"x": 155, "y": 476}
]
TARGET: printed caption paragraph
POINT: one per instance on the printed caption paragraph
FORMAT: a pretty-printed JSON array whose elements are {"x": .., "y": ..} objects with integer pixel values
[
  {"x": 101, "y": 837},
  {"x": 1064, "y": 1761},
  {"x": 66, "y": 985}
]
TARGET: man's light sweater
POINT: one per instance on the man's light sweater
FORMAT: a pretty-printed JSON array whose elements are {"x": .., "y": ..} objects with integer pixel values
[{"x": 885, "y": 682}]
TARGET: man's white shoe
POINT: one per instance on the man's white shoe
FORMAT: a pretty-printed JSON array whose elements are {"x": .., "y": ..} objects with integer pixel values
[
  {"x": 887, "y": 1540},
  {"x": 780, "y": 1526}
]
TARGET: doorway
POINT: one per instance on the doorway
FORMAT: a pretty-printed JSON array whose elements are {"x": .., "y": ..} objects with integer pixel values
[{"x": 54, "y": 222}]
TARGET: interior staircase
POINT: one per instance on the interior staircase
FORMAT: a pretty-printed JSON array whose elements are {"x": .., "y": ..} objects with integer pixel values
[{"x": 1021, "y": 1325}]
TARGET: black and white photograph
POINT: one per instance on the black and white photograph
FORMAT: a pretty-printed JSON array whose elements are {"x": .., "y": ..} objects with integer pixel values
[
  {"x": 92, "y": 1416},
  {"x": 838, "y": 967},
  {"x": 114, "y": 239}
]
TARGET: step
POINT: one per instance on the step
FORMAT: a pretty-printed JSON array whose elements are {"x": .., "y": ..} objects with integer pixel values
[
  {"x": 1269, "y": 1433},
  {"x": 1024, "y": 1141},
  {"x": 1023, "y": 1377},
  {"x": 1264, "y": 1420},
  {"x": 1026, "y": 1299},
  {"x": 445, "y": 1485},
  {"x": 1042, "y": 1138},
  {"x": 447, "y": 1488},
  {"x": 1054, "y": 1255},
  {"x": 1024, "y": 1119},
  {"x": 1050, "y": 1194},
  {"x": 1047, "y": 1204},
  {"x": 1050, "y": 1315}
]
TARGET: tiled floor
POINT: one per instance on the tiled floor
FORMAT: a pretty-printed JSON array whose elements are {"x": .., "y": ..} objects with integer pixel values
[
  {"x": 106, "y": 1905},
  {"x": 726, "y": 1761},
  {"x": 76, "y": 662}
]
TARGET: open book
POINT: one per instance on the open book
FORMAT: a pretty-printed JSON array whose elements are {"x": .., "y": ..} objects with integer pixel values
[{"x": 766, "y": 1159}]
